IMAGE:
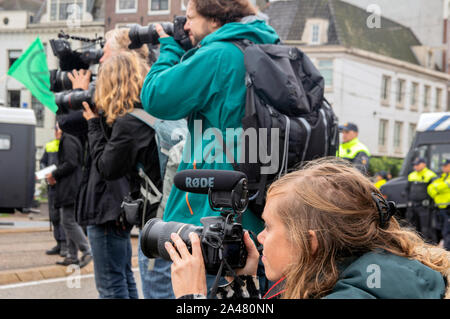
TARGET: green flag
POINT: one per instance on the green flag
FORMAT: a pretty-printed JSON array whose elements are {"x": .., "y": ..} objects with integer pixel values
[{"x": 31, "y": 69}]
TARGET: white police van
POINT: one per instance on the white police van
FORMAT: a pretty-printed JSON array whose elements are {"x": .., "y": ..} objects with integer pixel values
[
  {"x": 432, "y": 142},
  {"x": 17, "y": 158}
]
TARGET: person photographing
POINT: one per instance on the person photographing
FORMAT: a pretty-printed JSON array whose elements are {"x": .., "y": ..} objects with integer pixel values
[{"x": 325, "y": 226}]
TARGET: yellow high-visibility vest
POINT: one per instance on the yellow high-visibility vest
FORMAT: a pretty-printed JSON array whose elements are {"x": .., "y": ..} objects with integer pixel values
[
  {"x": 439, "y": 190},
  {"x": 52, "y": 147},
  {"x": 350, "y": 149}
]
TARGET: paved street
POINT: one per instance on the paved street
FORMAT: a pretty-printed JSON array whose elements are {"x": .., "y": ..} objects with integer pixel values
[
  {"x": 26, "y": 272},
  {"x": 82, "y": 287}
]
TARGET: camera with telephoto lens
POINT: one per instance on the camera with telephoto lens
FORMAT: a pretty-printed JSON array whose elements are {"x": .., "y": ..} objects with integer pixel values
[
  {"x": 140, "y": 35},
  {"x": 65, "y": 97},
  {"x": 72, "y": 60},
  {"x": 221, "y": 237},
  {"x": 73, "y": 100}
]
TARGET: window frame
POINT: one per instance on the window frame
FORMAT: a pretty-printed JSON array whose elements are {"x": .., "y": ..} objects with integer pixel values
[
  {"x": 412, "y": 128},
  {"x": 438, "y": 99},
  {"x": 158, "y": 12},
  {"x": 315, "y": 27},
  {"x": 8, "y": 98},
  {"x": 122, "y": 11},
  {"x": 383, "y": 134},
  {"x": 9, "y": 51},
  {"x": 399, "y": 138},
  {"x": 386, "y": 83},
  {"x": 58, "y": 9},
  {"x": 37, "y": 106},
  {"x": 326, "y": 68},
  {"x": 400, "y": 93},
  {"x": 414, "y": 96},
  {"x": 426, "y": 98}
]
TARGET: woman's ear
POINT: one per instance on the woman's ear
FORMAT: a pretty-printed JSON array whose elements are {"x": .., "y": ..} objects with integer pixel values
[{"x": 314, "y": 241}]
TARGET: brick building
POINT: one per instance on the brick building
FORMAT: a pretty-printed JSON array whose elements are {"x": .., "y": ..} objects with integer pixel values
[{"x": 119, "y": 13}]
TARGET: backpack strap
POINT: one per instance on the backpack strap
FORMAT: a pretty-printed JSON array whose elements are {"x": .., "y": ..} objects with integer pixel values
[
  {"x": 146, "y": 193},
  {"x": 144, "y": 117}
]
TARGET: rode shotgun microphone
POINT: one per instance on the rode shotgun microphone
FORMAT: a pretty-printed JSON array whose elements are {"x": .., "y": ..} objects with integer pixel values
[
  {"x": 226, "y": 189},
  {"x": 201, "y": 180}
]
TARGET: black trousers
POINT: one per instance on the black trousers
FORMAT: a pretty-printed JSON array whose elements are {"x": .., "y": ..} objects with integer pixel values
[
  {"x": 421, "y": 218},
  {"x": 55, "y": 217}
]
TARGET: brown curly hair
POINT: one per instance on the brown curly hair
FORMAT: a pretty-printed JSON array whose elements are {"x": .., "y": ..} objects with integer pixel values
[{"x": 224, "y": 11}]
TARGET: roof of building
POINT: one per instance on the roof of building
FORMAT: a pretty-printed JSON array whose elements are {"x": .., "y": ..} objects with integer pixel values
[{"x": 347, "y": 27}]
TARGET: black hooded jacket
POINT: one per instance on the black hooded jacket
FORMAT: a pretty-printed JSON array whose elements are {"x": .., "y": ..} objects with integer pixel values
[
  {"x": 116, "y": 151},
  {"x": 68, "y": 172},
  {"x": 98, "y": 200}
]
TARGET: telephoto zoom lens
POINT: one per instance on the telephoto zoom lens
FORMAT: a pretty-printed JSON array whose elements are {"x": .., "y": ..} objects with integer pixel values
[{"x": 156, "y": 232}]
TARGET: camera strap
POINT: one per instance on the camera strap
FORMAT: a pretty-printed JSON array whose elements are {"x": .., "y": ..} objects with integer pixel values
[
  {"x": 215, "y": 285},
  {"x": 153, "y": 196}
]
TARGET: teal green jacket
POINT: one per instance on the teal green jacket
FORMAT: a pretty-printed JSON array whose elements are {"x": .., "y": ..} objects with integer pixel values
[
  {"x": 207, "y": 85},
  {"x": 387, "y": 276}
]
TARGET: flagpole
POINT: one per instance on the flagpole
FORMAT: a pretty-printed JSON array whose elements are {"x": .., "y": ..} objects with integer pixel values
[{"x": 3, "y": 77}]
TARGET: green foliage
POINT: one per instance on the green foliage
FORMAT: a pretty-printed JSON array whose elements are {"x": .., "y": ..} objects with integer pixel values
[{"x": 387, "y": 164}]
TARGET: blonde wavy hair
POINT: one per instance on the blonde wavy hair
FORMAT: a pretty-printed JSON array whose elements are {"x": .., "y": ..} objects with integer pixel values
[
  {"x": 334, "y": 199},
  {"x": 119, "y": 40},
  {"x": 119, "y": 84}
]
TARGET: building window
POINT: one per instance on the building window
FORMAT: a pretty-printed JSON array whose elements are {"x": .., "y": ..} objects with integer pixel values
[
  {"x": 126, "y": 6},
  {"x": 400, "y": 93},
  {"x": 13, "y": 98},
  {"x": 61, "y": 10},
  {"x": 159, "y": 6},
  {"x": 326, "y": 70},
  {"x": 426, "y": 99},
  {"x": 183, "y": 6},
  {"x": 398, "y": 126},
  {"x": 382, "y": 133},
  {"x": 438, "y": 100},
  {"x": 385, "y": 89},
  {"x": 39, "y": 111},
  {"x": 414, "y": 96},
  {"x": 411, "y": 132},
  {"x": 315, "y": 34},
  {"x": 13, "y": 55}
]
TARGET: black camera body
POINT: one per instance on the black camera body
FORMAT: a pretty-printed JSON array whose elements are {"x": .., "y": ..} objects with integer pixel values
[
  {"x": 218, "y": 231},
  {"x": 140, "y": 35},
  {"x": 69, "y": 60},
  {"x": 73, "y": 100},
  {"x": 222, "y": 238}
]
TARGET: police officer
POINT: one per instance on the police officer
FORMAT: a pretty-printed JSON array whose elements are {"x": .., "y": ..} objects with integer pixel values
[
  {"x": 352, "y": 149},
  {"x": 381, "y": 179},
  {"x": 50, "y": 157},
  {"x": 418, "y": 212},
  {"x": 439, "y": 191}
]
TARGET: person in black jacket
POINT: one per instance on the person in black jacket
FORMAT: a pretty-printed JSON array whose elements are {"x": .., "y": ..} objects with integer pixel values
[
  {"x": 49, "y": 158},
  {"x": 128, "y": 142},
  {"x": 99, "y": 200},
  {"x": 67, "y": 178}
]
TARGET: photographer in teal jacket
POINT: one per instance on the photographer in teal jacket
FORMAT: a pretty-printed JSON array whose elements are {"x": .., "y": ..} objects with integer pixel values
[{"x": 206, "y": 85}]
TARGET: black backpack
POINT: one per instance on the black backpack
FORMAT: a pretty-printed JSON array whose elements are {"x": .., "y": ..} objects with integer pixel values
[{"x": 285, "y": 91}]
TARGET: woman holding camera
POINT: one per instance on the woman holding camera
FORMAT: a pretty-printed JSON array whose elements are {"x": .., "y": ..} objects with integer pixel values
[
  {"x": 116, "y": 149},
  {"x": 328, "y": 234}
]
